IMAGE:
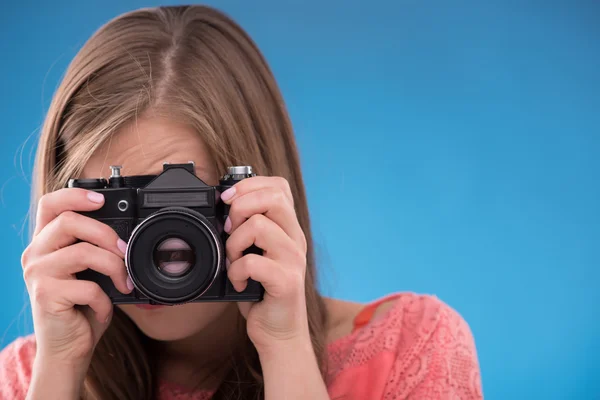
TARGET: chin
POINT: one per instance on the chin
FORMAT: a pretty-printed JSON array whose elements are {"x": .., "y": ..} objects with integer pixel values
[{"x": 172, "y": 323}]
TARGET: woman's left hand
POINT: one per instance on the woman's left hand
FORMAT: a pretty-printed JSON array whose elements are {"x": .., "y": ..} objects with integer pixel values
[{"x": 262, "y": 213}]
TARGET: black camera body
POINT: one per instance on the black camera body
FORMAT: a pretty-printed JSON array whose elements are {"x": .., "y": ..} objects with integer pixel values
[{"x": 173, "y": 226}]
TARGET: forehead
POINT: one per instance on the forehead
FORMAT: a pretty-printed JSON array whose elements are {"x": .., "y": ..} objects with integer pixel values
[{"x": 144, "y": 145}]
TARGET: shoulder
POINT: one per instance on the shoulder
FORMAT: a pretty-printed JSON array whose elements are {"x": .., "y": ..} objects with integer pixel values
[
  {"x": 405, "y": 320},
  {"x": 16, "y": 361},
  {"x": 436, "y": 344},
  {"x": 420, "y": 344}
]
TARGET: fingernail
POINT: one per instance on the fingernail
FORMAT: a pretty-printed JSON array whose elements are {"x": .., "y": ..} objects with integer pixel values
[
  {"x": 228, "y": 194},
  {"x": 227, "y": 263},
  {"x": 227, "y": 226},
  {"x": 122, "y": 246},
  {"x": 95, "y": 197},
  {"x": 129, "y": 284},
  {"x": 107, "y": 319}
]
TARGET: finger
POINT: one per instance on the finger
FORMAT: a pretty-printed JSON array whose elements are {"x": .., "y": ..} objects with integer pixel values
[
  {"x": 70, "y": 227},
  {"x": 65, "y": 262},
  {"x": 265, "y": 234},
  {"x": 89, "y": 294},
  {"x": 244, "y": 307},
  {"x": 256, "y": 183},
  {"x": 272, "y": 203},
  {"x": 276, "y": 280},
  {"x": 98, "y": 327},
  {"x": 58, "y": 296},
  {"x": 53, "y": 204}
]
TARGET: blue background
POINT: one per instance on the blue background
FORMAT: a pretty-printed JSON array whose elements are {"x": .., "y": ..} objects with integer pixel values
[{"x": 447, "y": 148}]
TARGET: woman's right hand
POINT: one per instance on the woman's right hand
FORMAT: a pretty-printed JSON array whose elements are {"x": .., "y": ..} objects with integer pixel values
[{"x": 64, "y": 243}]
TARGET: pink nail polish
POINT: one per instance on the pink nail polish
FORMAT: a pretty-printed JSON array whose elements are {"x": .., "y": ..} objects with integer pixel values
[
  {"x": 122, "y": 246},
  {"x": 228, "y": 194},
  {"x": 129, "y": 283},
  {"x": 95, "y": 197},
  {"x": 227, "y": 226}
]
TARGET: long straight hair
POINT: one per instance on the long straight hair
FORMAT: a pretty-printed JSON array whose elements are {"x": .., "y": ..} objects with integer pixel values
[{"x": 196, "y": 65}]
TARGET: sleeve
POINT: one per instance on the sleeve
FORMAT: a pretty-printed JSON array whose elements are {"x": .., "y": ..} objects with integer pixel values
[
  {"x": 445, "y": 367},
  {"x": 15, "y": 368}
]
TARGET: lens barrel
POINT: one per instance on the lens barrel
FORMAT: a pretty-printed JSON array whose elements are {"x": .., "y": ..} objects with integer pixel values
[{"x": 174, "y": 255}]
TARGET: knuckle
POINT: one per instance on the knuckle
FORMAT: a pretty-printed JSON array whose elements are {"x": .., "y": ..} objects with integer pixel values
[
  {"x": 283, "y": 183},
  {"x": 81, "y": 251},
  {"x": 39, "y": 293},
  {"x": 94, "y": 291},
  {"x": 44, "y": 201},
  {"x": 97, "y": 291},
  {"x": 287, "y": 190},
  {"x": 30, "y": 271},
  {"x": 279, "y": 198},
  {"x": 70, "y": 216},
  {"x": 300, "y": 256},
  {"x": 65, "y": 219},
  {"x": 27, "y": 275},
  {"x": 25, "y": 256},
  {"x": 257, "y": 222},
  {"x": 240, "y": 186},
  {"x": 251, "y": 261},
  {"x": 304, "y": 244}
]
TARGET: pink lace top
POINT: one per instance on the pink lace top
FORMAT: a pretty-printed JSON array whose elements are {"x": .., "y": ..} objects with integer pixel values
[{"x": 418, "y": 349}]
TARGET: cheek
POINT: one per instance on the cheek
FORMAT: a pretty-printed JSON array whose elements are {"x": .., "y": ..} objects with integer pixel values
[{"x": 177, "y": 322}]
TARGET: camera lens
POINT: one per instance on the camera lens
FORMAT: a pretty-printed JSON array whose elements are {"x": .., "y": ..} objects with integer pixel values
[{"x": 174, "y": 257}]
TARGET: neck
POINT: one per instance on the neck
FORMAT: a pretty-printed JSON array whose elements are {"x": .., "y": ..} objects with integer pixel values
[{"x": 202, "y": 361}]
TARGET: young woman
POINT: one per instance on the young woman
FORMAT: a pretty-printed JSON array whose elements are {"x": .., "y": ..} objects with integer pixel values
[{"x": 186, "y": 83}]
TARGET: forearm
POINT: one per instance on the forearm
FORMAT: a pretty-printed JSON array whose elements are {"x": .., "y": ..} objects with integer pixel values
[
  {"x": 291, "y": 372},
  {"x": 55, "y": 382}
]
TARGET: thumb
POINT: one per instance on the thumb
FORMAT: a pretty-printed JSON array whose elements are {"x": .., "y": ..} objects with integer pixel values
[
  {"x": 98, "y": 328},
  {"x": 245, "y": 307}
]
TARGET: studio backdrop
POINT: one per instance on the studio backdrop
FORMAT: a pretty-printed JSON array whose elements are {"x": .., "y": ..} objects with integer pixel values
[{"x": 449, "y": 148}]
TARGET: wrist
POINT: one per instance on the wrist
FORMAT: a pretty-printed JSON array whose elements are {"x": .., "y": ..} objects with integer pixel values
[
  {"x": 301, "y": 345},
  {"x": 56, "y": 379},
  {"x": 62, "y": 366},
  {"x": 288, "y": 355},
  {"x": 291, "y": 371}
]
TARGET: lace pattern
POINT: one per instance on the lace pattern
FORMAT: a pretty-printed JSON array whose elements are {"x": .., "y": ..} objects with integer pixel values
[
  {"x": 419, "y": 349},
  {"x": 426, "y": 347}
]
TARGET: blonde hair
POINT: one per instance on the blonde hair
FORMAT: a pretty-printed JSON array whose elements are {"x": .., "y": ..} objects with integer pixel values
[{"x": 196, "y": 65}]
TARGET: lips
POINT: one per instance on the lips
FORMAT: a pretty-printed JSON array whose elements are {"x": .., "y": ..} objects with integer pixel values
[{"x": 149, "y": 307}]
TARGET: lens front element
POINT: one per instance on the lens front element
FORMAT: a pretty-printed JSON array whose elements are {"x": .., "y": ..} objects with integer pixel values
[{"x": 174, "y": 257}]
